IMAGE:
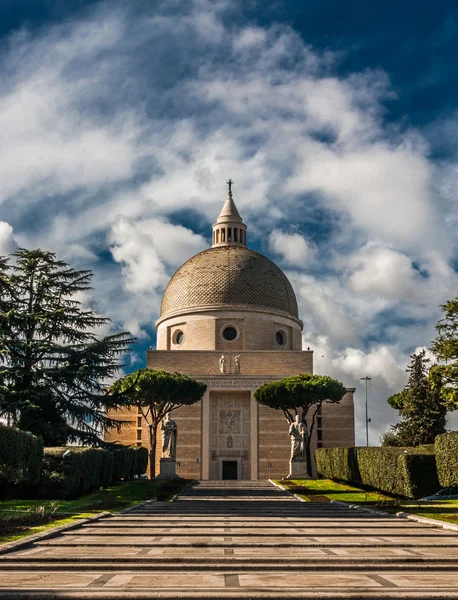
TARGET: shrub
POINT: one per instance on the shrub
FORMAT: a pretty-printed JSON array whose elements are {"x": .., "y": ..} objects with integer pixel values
[
  {"x": 71, "y": 471},
  {"x": 141, "y": 461},
  {"x": 129, "y": 462},
  {"x": 408, "y": 472},
  {"x": 20, "y": 457},
  {"x": 446, "y": 446}
]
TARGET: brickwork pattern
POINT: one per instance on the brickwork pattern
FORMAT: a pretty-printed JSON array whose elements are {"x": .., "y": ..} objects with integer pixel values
[
  {"x": 203, "y": 330},
  {"x": 195, "y": 363},
  {"x": 227, "y": 275}
]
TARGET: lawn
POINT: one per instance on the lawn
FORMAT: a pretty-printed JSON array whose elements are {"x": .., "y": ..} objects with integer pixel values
[
  {"x": 322, "y": 490},
  {"x": 19, "y": 518}
]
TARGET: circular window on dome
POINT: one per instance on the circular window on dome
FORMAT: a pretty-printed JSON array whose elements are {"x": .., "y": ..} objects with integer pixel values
[
  {"x": 178, "y": 337},
  {"x": 281, "y": 338},
  {"x": 230, "y": 333}
]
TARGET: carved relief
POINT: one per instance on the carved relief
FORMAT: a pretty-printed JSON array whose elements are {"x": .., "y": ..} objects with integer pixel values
[
  {"x": 229, "y": 421},
  {"x": 235, "y": 383},
  {"x": 229, "y": 441}
]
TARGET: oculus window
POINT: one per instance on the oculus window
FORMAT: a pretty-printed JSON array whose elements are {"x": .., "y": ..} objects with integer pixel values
[
  {"x": 178, "y": 337},
  {"x": 281, "y": 338},
  {"x": 229, "y": 333}
]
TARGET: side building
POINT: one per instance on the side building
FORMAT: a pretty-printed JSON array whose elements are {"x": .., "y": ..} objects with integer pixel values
[{"x": 229, "y": 318}]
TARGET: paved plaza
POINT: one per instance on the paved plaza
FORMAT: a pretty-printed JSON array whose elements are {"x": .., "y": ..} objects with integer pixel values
[{"x": 238, "y": 539}]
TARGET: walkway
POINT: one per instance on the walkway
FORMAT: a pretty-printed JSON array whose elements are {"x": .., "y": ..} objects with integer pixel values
[{"x": 238, "y": 540}]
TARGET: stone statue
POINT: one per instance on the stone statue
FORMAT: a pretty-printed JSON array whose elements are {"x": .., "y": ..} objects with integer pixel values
[
  {"x": 237, "y": 364},
  {"x": 298, "y": 434},
  {"x": 169, "y": 437},
  {"x": 222, "y": 364}
]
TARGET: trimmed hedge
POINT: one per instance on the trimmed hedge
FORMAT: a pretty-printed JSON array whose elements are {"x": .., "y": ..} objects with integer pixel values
[
  {"x": 20, "y": 457},
  {"x": 408, "y": 472},
  {"x": 71, "y": 471},
  {"x": 447, "y": 458},
  {"x": 129, "y": 462}
]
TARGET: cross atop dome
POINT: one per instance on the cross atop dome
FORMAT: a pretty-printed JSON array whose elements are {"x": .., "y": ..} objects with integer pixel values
[{"x": 229, "y": 228}]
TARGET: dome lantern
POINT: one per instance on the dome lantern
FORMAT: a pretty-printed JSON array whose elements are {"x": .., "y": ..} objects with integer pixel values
[{"x": 229, "y": 229}]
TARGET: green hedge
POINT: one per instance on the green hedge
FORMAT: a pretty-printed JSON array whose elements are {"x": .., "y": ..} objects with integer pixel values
[
  {"x": 408, "y": 472},
  {"x": 447, "y": 458},
  {"x": 71, "y": 471},
  {"x": 129, "y": 462},
  {"x": 20, "y": 457}
]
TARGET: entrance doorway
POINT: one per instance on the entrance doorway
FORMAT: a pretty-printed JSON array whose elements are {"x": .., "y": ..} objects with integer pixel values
[{"x": 229, "y": 469}]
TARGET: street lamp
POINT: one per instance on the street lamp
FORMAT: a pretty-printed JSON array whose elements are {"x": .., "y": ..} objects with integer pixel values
[{"x": 366, "y": 379}]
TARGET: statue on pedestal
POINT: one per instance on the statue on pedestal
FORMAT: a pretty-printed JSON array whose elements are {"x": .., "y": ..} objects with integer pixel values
[
  {"x": 298, "y": 435},
  {"x": 222, "y": 364},
  {"x": 169, "y": 437}
]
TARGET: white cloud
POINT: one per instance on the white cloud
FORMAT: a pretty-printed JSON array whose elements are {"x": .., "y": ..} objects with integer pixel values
[
  {"x": 386, "y": 367},
  {"x": 149, "y": 252},
  {"x": 50, "y": 142},
  {"x": 383, "y": 272},
  {"x": 292, "y": 248},
  {"x": 7, "y": 241}
]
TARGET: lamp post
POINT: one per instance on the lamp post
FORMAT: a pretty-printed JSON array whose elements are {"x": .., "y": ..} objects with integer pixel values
[{"x": 366, "y": 379}]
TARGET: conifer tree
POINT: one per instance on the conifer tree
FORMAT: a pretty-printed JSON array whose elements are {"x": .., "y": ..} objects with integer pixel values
[
  {"x": 54, "y": 369},
  {"x": 420, "y": 404},
  {"x": 445, "y": 347}
]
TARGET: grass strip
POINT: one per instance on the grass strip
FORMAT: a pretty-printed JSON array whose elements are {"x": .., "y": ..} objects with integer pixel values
[
  {"x": 314, "y": 489},
  {"x": 20, "y": 518}
]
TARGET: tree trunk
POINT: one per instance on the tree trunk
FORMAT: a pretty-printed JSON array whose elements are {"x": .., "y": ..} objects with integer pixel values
[
  {"x": 308, "y": 454},
  {"x": 152, "y": 450}
]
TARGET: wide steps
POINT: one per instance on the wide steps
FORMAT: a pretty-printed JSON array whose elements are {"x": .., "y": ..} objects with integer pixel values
[{"x": 238, "y": 540}]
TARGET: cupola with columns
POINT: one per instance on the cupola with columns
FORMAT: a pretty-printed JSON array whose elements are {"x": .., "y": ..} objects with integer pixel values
[{"x": 229, "y": 229}]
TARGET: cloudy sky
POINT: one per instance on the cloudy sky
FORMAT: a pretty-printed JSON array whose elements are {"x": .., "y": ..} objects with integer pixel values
[{"x": 121, "y": 121}]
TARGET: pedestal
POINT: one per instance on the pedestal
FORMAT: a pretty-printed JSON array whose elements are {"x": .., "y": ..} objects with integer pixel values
[
  {"x": 167, "y": 469},
  {"x": 298, "y": 469}
]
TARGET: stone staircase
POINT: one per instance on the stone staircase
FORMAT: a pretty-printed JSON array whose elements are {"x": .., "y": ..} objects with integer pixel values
[{"x": 238, "y": 540}]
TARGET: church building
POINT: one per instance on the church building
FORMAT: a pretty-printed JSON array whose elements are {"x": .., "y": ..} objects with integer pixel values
[{"x": 229, "y": 317}]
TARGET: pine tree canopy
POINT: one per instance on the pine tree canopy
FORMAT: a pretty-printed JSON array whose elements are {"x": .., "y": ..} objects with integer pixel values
[
  {"x": 296, "y": 395},
  {"x": 156, "y": 393},
  {"x": 54, "y": 368}
]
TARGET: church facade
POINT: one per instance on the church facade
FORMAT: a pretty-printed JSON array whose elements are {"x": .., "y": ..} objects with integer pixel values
[{"x": 229, "y": 317}]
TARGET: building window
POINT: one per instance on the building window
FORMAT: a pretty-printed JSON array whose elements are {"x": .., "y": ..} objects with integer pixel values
[
  {"x": 235, "y": 234},
  {"x": 229, "y": 234},
  {"x": 223, "y": 235},
  {"x": 230, "y": 333},
  {"x": 217, "y": 236},
  {"x": 281, "y": 337},
  {"x": 178, "y": 337},
  {"x": 139, "y": 421},
  {"x": 319, "y": 435},
  {"x": 139, "y": 434},
  {"x": 139, "y": 411}
]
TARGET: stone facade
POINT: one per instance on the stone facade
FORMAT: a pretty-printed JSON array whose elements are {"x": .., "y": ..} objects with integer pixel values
[{"x": 234, "y": 302}]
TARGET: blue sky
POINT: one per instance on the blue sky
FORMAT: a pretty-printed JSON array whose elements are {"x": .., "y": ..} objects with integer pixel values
[{"x": 120, "y": 122}]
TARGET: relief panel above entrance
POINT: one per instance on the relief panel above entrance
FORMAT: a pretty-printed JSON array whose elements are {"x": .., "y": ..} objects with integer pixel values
[{"x": 229, "y": 432}]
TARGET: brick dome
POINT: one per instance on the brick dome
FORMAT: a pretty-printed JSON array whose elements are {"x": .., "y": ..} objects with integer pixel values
[{"x": 229, "y": 275}]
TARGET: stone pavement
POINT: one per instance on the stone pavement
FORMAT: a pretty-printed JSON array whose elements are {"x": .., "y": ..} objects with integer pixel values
[{"x": 238, "y": 540}]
